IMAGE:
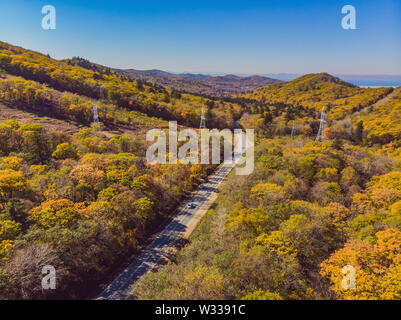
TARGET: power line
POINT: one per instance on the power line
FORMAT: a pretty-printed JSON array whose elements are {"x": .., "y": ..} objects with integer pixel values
[{"x": 95, "y": 114}]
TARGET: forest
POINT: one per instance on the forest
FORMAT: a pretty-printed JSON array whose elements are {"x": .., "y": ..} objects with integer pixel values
[
  {"x": 309, "y": 209},
  {"x": 98, "y": 82},
  {"x": 88, "y": 202},
  {"x": 83, "y": 204}
]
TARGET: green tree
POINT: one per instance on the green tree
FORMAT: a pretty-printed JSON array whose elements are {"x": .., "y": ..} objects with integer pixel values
[
  {"x": 262, "y": 295},
  {"x": 12, "y": 183},
  {"x": 65, "y": 151},
  {"x": 358, "y": 135},
  {"x": 15, "y": 210}
]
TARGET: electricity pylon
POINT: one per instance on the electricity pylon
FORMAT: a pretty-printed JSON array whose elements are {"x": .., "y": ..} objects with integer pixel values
[
  {"x": 203, "y": 120},
  {"x": 95, "y": 108},
  {"x": 321, "y": 126},
  {"x": 95, "y": 114},
  {"x": 101, "y": 93},
  {"x": 294, "y": 128}
]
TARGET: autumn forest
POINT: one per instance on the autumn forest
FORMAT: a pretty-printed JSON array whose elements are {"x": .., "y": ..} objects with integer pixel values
[{"x": 81, "y": 196}]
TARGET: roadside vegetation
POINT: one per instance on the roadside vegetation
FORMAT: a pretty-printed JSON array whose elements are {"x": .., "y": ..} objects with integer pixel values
[
  {"x": 83, "y": 203},
  {"x": 286, "y": 231},
  {"x": 308, "y": 209},
  {"x": 87, "y": 202}
]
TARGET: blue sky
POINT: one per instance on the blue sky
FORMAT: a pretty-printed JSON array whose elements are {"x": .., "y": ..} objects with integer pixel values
[{"x": 250, "y": 36}]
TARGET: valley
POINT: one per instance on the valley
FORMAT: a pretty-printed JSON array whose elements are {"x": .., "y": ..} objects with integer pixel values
[{"x": 80, "y": 195}]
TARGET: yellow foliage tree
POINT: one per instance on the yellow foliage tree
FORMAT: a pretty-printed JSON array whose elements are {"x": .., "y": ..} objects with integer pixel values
[
  {"x": 85, "y": 174},
  {"x": 6, "y": 247},
  {"x": 54, "y": 212},
  {"x": 267, "y": 192},
  {"x": 276, "y": 242},
  {"x": 11, "y": 183},
  {"x": 13, "y": 163},
  {"x": 377, "y": 268},
  {"x": 9, "y": 229},
  {"x": 203, "y": 283}
]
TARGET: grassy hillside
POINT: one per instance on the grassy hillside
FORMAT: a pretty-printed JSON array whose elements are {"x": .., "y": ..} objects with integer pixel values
[
  {"x": 117, "y": 89},
  {"x": 383, "y": 120},
  {"x": 29, "y": 95},
  {"x": 316, "y": 91}
]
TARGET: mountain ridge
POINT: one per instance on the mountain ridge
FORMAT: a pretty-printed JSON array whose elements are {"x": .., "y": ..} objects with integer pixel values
[
  {"x": 218, "y": 86},
  {"x": 222, "y": 85},
  {"x": 318, "y": 90}
]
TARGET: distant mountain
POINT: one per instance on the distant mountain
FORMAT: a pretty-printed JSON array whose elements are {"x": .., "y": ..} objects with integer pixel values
[
  {"x": 319, "y": 78},
  {"x": 282, "y": 76},
  {"x": 155, "y": 73},
  {"x": 223, "y": 85},
  {"x": 199, "y": 83}
]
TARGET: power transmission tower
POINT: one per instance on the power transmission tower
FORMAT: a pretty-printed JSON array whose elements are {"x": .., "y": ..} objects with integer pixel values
[
  {"x": 101, "y": 93},
  {"x": 95, "y": 108},
  {"x": 321, "y": 127},
  {"x": 203, "y": 120},
  {"x": 294, "y": 128},
  {"x": 95, "y": 114}
]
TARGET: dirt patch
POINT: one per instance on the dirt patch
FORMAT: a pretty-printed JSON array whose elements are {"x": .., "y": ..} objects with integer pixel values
[
  {"x": 69, "y": 127},
  {"x": 387, "y": 98},
  {"x": 8, "y": 113}
]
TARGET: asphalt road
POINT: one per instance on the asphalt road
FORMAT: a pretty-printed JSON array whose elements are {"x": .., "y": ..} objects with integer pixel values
[{"x": 120, "y": 287}]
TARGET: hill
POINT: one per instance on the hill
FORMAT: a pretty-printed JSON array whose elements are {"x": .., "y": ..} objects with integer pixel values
[
  {"x": 82, "y": 198},
  {"x": 309, "y": 208},
  {"x": 201, "y": 84},
  {"x": 382, "y": 121},
  {"x": 120, "y": 90},
  {"x": 319, "y": 90}
]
